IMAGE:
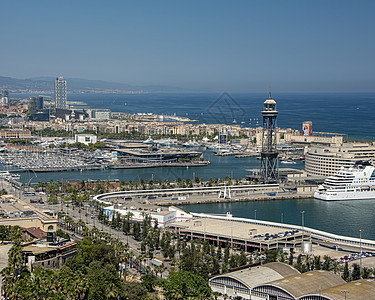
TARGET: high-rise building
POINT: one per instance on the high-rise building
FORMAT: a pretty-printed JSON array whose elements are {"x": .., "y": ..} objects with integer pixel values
[
  {"x": 60, "y": 93},
  {"x": 269, "y": 171},
  {"x": 35, "y": 104}
]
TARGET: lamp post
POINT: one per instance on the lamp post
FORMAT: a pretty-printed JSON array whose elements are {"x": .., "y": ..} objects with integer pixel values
[
  {"x": 303, "y": 224},
  {"x": 255, "y": 214},
  {"x": 360, "y": 254},
  {"x": 282, "y": 218},
  {"x": 345, "y": 292}
]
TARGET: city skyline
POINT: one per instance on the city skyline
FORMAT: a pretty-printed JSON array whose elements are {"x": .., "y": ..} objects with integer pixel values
[{"x": 245, "y": 46}]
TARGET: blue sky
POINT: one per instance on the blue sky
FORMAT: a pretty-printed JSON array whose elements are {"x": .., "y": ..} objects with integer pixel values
[{"x": 236, "y": 46}]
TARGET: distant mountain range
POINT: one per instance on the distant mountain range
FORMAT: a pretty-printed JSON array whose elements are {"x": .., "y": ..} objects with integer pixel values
[{"x": 77, "y": 85}]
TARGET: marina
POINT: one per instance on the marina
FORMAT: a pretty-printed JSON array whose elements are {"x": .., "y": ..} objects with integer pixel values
[{"x": 42, "y": 160}]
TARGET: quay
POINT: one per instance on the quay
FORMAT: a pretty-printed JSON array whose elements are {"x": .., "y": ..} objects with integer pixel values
[
  {"x": 159, "y": 164},
  {"x": 200, "y": 195},
  {"x": 238, "y": 154},
  {"x": 59, "y": 169},
  {"x": 160, "y": 196},
  {"x": 116, "y": 166}
]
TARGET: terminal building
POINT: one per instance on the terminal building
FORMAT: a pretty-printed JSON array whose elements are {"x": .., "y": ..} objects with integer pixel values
[
  {"x": 327, "y": 160},
  {"x": 279, "y": 281}
]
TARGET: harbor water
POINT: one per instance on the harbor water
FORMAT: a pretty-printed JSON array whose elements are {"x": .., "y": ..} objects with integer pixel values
[{"x": 345, "y": 113}]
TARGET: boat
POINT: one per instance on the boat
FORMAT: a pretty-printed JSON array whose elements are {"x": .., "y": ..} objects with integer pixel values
[
  {"x": 355, "y": 183},
  {"x": 15, "y": 177},
  {"x": 288, "y": 161},
  {"x": 4, "y": 174},
  {"x": 9, "y": 176},
  {"x": 148, "y": 141},
  {"x": 166, "y": 142},
  {"x": 191, "y": 144}
]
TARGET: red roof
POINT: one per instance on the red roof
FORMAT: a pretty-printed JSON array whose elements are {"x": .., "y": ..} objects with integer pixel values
[{"x": 35, "y": 232}]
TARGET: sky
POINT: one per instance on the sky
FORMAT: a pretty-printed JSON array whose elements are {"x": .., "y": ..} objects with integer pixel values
[{"x": 236, "y": 46}]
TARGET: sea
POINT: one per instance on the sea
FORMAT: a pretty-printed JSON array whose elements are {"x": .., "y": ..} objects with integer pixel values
[{"x": 349, "y": 114}]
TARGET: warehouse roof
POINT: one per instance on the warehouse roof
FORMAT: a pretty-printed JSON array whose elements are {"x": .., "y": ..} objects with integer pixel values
[
  {"x": 254, "y": 276},
  {"x": 313, "y": 282}
]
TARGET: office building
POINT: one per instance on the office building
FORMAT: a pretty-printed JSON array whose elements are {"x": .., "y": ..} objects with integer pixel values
[
  {"x": 36, "y": 109},
  {"x": 60, "y": 93},
  {"x": 35, "y": 104}
]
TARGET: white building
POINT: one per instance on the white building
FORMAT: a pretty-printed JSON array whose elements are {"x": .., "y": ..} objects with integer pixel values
[
  {"x": 160, "y": 214},
  {"x": 86, "y": 138}
]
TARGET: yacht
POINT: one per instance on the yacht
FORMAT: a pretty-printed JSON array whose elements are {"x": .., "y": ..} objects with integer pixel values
[
  {"x": 355, "y": 183},
  {"x": 9, "y": 176},
  {"x": 287, "y": 161},
  {"x": 4, "y": 174},
  {"x": 191, "y": 144},
  {"x": 148, "y": 141}
]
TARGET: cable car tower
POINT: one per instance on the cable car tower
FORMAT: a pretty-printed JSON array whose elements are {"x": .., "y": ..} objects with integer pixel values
[{"x": 269, "y": 172}]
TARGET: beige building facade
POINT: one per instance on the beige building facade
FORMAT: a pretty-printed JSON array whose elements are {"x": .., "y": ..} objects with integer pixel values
[{"x": 326, "y": 160}]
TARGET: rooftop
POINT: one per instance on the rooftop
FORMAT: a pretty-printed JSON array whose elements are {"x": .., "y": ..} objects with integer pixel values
[
  {"x": 254, "y": 276},
  {"x": 229, "y": 228},
  {"x": 308, "y": 283},
  {"x": 359, "y": 289}
]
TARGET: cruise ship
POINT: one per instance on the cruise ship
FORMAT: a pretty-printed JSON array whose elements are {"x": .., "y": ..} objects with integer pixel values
[{"x": 355, "y": 183}]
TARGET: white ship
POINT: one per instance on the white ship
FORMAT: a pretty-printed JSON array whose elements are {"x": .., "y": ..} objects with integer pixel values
[{"x": 355, "y": 183}]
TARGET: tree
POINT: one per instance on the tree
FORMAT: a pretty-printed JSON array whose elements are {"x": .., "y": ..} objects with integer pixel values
[
  {"x": 104, "y": 282},
  {"x": 242, "y": 260},
  {"x": 185, "y": 285},
  {"x": 226, "y": 254},
  {"x": 11, "y": 273},
  {"x": 356, "y": 273},
  {"x": 326, "y": 263},
  {"x": 317, "y": 263},
  {"x": 366, "y": 273},
  {"x": 149, "y": 281},
  {"x": 290, "y": 261},
  {"x": 136, "y": 231},
  {"x": 346, "y": 274},
  {"x": 134, "y": 291}
]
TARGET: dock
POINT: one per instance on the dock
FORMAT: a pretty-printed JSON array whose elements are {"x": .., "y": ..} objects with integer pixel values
[{"x": 159, "y": 164}]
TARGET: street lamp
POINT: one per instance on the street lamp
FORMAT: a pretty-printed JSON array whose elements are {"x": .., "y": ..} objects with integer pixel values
[
  {"x": 255, "y": 214},
  {"x": 345, "y": 292},
  {"x": 303, "y": 224},
  {"x": 360, "y": 254}
]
